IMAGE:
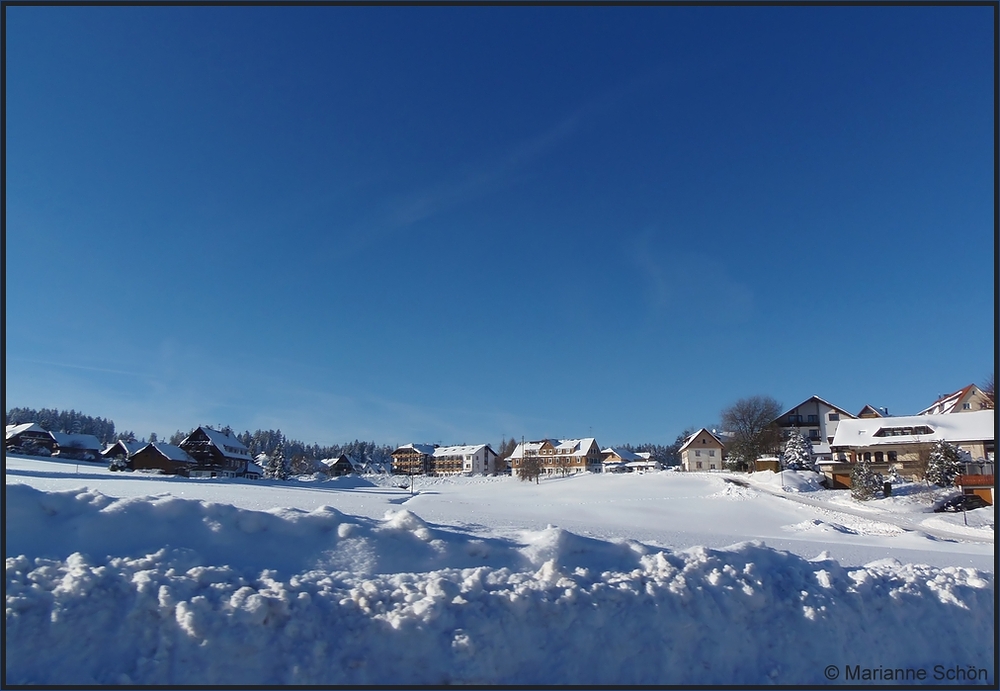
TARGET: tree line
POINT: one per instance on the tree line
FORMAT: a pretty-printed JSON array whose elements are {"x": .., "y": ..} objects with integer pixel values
[{"x": 64, "y": 421}]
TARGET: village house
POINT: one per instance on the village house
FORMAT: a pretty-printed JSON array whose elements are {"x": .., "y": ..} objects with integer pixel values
[
  {"x": 870, "y": 411},
  {"x": 431, "y": 459},
  {"x": 560, "y": 456},
  {"x": 619, "y": 460},
  {"x": 29, "y": 438},
  {"x": 342, "y": 465},
  {"x": 164, "y": 458},
  {"x": 904, "y": 443},
  {"x": 817, "y": 421},
  {"x": 80, "y": 447},
  {"x": 703, "y": 450},
  {"x": 218, "y": 454},
  {"x": 121, "y": 449},
  {"x": 966, "y": 400}
]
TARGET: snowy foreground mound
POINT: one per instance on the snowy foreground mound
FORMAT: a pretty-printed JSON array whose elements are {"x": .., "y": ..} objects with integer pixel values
[{"x": 162, "y": 590}]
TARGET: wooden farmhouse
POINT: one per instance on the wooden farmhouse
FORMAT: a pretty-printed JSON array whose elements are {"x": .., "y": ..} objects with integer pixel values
[
  {"x": 165, "y": 458},
  {"x": 80, "y": 447},
  {"x": 343, "y": 465},
  {"x": 217, "y": 454},
  {"x": 30, "y": 438},
  {"x": 121, "y": 449}
]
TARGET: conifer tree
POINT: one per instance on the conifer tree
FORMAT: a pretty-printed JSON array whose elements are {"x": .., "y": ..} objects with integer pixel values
[
  {"x": 865, "y": 482},
  {"x": 798, "y": 452},
  {"x": 944, "y": 464},
  {"x": 277, "y": 468}
]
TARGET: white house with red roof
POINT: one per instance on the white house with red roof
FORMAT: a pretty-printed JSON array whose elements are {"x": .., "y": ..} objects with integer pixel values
[{"x": 966, "y": 400}]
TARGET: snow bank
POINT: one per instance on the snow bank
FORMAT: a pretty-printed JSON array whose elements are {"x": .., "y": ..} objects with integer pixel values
[
  {"x": 170, "y": 591},
  {"x": 789, "y": 480}
]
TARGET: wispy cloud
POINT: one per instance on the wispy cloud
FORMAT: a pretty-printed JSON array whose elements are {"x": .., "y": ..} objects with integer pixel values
[
  {"x": 685, "y": 282},
  {"x": 486, "y": 177},
  {"x": 72, "y": 365}
]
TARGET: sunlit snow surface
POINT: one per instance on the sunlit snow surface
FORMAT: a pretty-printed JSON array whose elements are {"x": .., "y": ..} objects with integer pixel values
[{"x": 663, "y": 578}]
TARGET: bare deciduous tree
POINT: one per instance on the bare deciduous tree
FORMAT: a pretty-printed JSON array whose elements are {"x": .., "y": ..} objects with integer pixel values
[
  {"x": 530, "y": 468},
  {"x": 751, "y": 422},
  {"x": 989, "y": 389}
]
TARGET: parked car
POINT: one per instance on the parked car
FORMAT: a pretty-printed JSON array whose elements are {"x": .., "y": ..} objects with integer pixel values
[{"x": 963, "y": 502}]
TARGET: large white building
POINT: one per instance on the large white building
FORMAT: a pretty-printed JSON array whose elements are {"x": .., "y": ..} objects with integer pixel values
[{"x": 431, "y": 459}]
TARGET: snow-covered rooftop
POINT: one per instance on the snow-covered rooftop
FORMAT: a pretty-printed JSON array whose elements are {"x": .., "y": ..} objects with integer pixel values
[
  {"x": 77, "y": 441},
  {"x": 978, "y": 425},
  {"x": 130, "y": 447},
  {"x": 947, "y": 403},
  {"x": 174, "y": 453},
  {"x": 427, "y": 449},
  {"x": 228, "y": 444},
  {"x": 623, "y": 454},
  {"x": 12, "y": 430},
  {"x": 691, "y": 438},
  {"x": 576, "y": 447},
  {"x": 466, "y": 450},
  {"x": 817, "y": 398}
]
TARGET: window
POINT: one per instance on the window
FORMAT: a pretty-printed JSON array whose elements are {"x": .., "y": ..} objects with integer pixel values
[
  {"x": 833, "y": 417},
  {"x": 892, "y": 456},
  {"x": 813, "y": 418},
  {"x": 878, "y": 456},
  {"x": 697, "y": 452},
  {"x": 698, "y": 465},
  {"x": 868, "y": 456},
  {"x": 711, "y": 452},
  {"x": 966, "y": 406},
  {"x": 712, "y": 467}
]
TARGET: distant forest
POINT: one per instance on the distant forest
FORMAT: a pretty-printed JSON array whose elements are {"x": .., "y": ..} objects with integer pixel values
[
  {"x": 66, "y": 421},
  {"x": 302, "y": 456}
]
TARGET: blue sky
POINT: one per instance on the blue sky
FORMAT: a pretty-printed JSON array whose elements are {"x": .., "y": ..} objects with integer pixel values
[{"x": 455, "y": 224}]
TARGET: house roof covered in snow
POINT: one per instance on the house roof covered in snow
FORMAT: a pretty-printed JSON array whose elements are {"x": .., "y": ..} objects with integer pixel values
[
  {"x": 171, "y": 452},
  {"x": 330, "y": 462},
  {"x": 690, "y": 439},
  {"x": 427, "y": 449},
  {"x": 576, "y": 447},
  {"x": 129, "y": 447},
  {"x": 949, "y": 402},
  {"x": 975, "y": 426},
  {"x": 820, "y": 400},
  {"x": 228, "y": 444},
  {"x": 14, "y": 430},
  {"x": 532, "y": 447},
  {"x": 623, "y": 454},
  {"x": 466, "y": 450},
  {"x": 77, "y": 441}
]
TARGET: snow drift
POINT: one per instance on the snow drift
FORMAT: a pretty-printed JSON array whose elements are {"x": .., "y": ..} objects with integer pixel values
[{"x": 162, "y": 590}]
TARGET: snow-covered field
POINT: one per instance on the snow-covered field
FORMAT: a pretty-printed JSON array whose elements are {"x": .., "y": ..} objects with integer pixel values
[{"x": 662, "y": 578}]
